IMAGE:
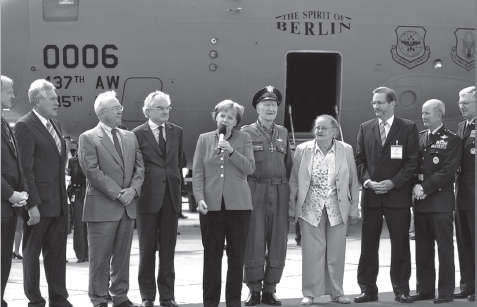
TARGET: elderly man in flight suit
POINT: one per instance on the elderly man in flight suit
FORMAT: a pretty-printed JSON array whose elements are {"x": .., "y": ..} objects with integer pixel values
[
  {"x": 440, "y": 151},
  {"x": 267, "y": 239}
]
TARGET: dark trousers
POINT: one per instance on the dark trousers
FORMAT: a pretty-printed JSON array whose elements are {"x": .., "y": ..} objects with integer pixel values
[
  {"x": 465, "y": 235},
  {"x": 8, "y": 236},
  {"x": 398, "y": 221},
  {"x": 80, "y": 234},
  {"x": 49, "y": 238},
  {"x": 216, "y": 226},
  {"x": 431, "y": 228},
  {"x": 157, "y": 230}
]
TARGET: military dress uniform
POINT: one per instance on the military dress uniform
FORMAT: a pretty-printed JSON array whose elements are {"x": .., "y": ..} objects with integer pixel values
[
  {"x": 465, "y": 207},
  {"x": 439, "y": 158},
  {"x": 267, "y": 238}
]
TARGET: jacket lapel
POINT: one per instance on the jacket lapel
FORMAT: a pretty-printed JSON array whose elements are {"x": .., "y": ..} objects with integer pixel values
[
  {"x": 39, "y": 125},
  {"x": 108, "y": 144},
  {"x": 377, "y": 134},
  {"x": 168, "y": 137},
  {"x": 5, "y": 136},
  {"x": 394, "y": 129},
  {"x": 151, "y": 138},
  {"x": 339, "y": 152}
]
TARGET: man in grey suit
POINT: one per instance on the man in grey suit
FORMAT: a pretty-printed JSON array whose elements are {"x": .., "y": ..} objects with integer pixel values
[
  {"x": 43, "y": 155},
  {"x": 387, "y": 153},
  {"x": 158, "y": 209},
  {"x": 113, "y": 166}
]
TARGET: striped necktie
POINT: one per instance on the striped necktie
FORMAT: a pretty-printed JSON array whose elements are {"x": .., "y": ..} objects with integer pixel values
[
  {"x": 9, "y": 134},
  {"x": 116, "y": 144},
  {"x": 382, "y": 131},
  {"x": 55, "y": 136}
]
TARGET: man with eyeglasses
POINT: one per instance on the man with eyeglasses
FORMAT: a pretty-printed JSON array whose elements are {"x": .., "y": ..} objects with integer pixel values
[
  {"x": 266, "y": 248},
  {"x": 465, "y": 200},
  {"x": 386, "y": 158},
  {"x": 112, "y": 163},
  {"x": 160, "y": 142},
  {"x": 43, "y": 155}
]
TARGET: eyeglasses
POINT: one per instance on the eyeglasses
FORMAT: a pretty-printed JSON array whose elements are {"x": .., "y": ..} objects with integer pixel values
[
  {"x": 116, "y": 108},
  {"x": 324, "y": 128},
  {"x": 464, "y": 103},
  {"x": 163, "y": 109},
  {"x": 378, "y": 102}
]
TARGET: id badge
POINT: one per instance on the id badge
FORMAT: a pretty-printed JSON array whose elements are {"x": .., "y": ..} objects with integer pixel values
[{"x": 396, "y": 152}]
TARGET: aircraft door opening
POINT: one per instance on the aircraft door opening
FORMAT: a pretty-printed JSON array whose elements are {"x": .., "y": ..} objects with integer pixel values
[{"x": 313, "y": 87}]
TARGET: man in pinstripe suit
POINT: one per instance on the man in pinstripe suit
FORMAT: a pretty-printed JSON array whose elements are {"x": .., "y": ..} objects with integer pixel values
[{"x": 387, "y": 153}]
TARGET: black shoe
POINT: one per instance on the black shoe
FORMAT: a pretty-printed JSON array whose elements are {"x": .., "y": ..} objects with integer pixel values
[
  {"x": 147, "y": 303},
  {"x": 253, "y": 299},
  {"x": 168, "y": 303},
  {"x": 443, "y": 299},
  {"x": 461, "y": 294},
  {"x": 422, "y": 296},
  {"x": 81, "y": 260},
  {"x": 403, "y": 298},
  {"x": 64, "y": 303},
  {"x": 182, "y": 216},
  {"x": 270, "y": 299},
  {"x": 15, "y": 256},
  {"x": 127, "y": 303},
  {"x": 101, "y": 305},
  {"x": 363, "y": 298},
  {"x": 471, "y": 298}
]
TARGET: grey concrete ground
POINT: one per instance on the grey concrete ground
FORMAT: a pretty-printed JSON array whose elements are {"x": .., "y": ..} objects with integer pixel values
[{"x": 188, "y": 265}]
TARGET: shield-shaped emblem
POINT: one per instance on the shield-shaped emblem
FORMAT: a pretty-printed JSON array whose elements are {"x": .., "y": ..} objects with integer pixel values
[
  {"x": 463, "y": 53},
  {"x": 410, "y": 49}
]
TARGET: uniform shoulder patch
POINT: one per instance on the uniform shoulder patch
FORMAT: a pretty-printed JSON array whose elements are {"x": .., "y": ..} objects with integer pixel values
[
  {"x": 423, "y": 131},
  {"x": 449, "y": 131}
]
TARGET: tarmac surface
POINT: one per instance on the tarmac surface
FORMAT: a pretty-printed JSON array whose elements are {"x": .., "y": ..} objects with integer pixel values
[{"x": 188, "y": 267}]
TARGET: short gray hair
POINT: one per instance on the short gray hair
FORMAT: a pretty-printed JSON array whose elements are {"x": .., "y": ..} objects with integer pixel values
[
  {"x": 99, "y": 102},
  {"x": 37, "y": 89},
  {"x": 226, "y": 105},
  {"x": 150, "y": 98},
  {"x": 468, "y": 90},
  {"x": 5, "y": 79},
  {"x": 333, "y": 121}
]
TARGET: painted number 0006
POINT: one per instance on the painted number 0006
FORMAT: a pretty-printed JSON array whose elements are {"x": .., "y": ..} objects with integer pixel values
[{"x": 70, "y": 55}]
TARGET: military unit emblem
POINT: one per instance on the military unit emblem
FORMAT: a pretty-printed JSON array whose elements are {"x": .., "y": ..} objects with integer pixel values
[
  {"x": 410, "y": 49},
  {"x": 463, "y": 53},
  {"x": 270, "y": 89}
]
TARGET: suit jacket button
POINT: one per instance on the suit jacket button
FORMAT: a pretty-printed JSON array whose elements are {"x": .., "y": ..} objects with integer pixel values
[
  {"x": 221, "y": 175},
  {"x": 221, "y": 166},
  {"x": 222, "y": 158}
]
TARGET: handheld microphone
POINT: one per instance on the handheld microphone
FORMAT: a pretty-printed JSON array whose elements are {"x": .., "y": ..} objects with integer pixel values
[{"x": 222, "y": 131}]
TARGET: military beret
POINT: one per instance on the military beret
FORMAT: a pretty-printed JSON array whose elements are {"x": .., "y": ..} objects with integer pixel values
[{"x": 267, "y": 93}]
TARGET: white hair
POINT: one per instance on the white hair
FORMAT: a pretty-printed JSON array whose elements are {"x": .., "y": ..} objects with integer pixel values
[
  {"x": 37, "y": 89},
  {"x": 468, "y": 90},
  {"x": 150, "y": 98},
  {"x": 101, "y": 99}
]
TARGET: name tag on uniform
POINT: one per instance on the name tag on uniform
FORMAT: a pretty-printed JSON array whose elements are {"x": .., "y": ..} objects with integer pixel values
[{"x": 396, "y": 151}]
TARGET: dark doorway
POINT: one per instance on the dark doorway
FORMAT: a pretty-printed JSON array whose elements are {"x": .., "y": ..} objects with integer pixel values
[{"x": 313, "y": 87}]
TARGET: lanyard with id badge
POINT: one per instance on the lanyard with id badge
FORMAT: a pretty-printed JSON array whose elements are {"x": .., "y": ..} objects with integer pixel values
[{"x": 396, "y": 151}]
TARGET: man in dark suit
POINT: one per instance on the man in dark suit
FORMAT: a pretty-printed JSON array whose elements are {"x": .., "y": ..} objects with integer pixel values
[
  {"x": 386, "y": 159},
  {"x": 43, "y": 154},
  {"x": 76, "y": 193},
  {"x": 440, "y": 151},
  {"x": 14, "y": 186},
  {"x": 112, "y": 163},
  {"x": 465, "y": 201},
  {"x": 160, "y": 143}
]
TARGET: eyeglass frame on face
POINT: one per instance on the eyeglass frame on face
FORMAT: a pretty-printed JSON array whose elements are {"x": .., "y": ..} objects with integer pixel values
[
  {"x": 163, "y": 109},
  {"x": 116, "y": 108},
  {"x": 379, "y": 102},
  {"x": 325, "y": 129},
  {"x": 464, "y": 103}
]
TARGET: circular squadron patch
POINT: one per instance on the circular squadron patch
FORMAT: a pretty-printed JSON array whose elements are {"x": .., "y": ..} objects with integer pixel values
[{"x": 435, "y": 160}]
